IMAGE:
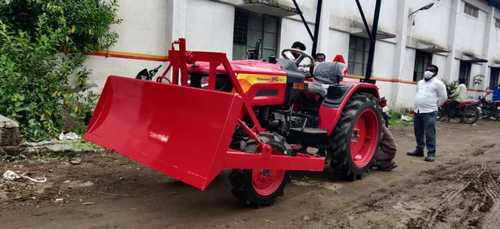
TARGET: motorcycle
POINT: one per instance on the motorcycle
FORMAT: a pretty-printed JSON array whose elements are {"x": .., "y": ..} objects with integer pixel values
[
  {"x": 146, "y": 74},
  {"x": 467, "y": 112},
  {"x": 489, "y": 109}
]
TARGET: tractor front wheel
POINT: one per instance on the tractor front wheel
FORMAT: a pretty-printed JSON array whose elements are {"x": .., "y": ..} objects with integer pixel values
[
  {"x": 260, "y": 187},
  {"x": 356, "y": 137}
]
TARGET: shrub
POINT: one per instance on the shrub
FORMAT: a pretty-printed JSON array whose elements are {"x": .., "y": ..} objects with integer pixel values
[
  {"x": 451, "y": 87},
  {"x": 42, "y": 46},
  {"x": 84, "y": 23}
]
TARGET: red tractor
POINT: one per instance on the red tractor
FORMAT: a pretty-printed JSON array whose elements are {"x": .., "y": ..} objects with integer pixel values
[{"x": 258, "y": 119}]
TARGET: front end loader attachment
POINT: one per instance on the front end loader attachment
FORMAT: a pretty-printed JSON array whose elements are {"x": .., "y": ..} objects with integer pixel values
[{"x": 180, "y": 131}]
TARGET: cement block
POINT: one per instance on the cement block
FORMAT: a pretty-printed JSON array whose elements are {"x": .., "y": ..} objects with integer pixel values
[{"x": 9, "y": 132}]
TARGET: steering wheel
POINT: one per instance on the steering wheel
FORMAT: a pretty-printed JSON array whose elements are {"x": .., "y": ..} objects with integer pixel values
[{"x": 289, "y": 54}]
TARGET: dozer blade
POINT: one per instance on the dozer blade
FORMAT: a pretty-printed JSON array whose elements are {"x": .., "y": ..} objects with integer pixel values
[{"x": 180, "y": 131}]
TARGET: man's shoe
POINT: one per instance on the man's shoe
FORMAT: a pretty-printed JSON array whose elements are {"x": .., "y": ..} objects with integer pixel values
[
  {"x": 415, "y": 153},
  {"x": 430, "y": 158}
]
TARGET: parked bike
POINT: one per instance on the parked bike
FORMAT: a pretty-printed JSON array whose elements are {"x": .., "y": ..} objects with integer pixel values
[
  {"x": 489, "y": 109},
  {"x": 467, "y": 112},
  {"x": 146, "y": 74}
]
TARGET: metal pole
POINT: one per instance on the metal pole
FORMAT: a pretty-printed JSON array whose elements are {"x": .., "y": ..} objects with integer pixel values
[
  {"x": 360, "y": 8},
  {"x": 303, "y": 19},
  {"x": 371, "y": 53},
  {"x": 319, "y": 7}
]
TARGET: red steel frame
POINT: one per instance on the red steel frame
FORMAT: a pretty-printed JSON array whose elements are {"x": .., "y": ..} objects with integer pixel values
[{"x": 264, "y": 158}]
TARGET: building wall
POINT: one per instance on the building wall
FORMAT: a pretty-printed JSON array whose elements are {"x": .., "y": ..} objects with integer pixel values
[
  {"x": 495, "y": 43},
  {"x": 145, "y": 34},
  {"x": 149, "y": 27},
  {"x": 337, "y": 44},
  {"x": 209, "y": 26},
  {"x": 471, "y": 32},
  {"x": 291, "y": 31},
  {"x": 347, "y": 10},
  {"x": 431, "y": 25}
]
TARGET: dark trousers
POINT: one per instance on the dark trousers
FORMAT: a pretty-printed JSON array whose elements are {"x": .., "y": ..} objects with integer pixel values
[
  {"x": 387, "y": 150},
  {"x": 425, "y": 131}
]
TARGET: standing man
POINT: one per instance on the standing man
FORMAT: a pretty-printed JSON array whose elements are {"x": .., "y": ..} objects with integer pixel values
[
  {"x": 340, "y": 59},
  {"x": 458, "y": 96},
  {"x": 320, "y": 58},
  {"x": 384, "y": 157},
  {"x": 496, "y": 94},
  {"x": 460, "y": 93},
  {"x": 431, "y": 93}
]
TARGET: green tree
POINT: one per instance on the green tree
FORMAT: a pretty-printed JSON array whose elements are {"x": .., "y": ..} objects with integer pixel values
[{"x": 42, "y": 48}]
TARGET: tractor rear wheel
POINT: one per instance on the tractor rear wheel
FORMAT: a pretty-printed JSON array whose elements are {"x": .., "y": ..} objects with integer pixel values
[
  {"x": 260, "y": 187},
  {"x": 356, "y": 137}
]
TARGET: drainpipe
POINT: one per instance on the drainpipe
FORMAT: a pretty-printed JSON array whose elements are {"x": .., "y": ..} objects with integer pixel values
[
  {"x": 319, "y": 8},
  {"x": 373, "y": 41},
  {"x": 402, "y": 40},
  {"x": 452, "y": 32},
  {"x": 487, "y": 45}
]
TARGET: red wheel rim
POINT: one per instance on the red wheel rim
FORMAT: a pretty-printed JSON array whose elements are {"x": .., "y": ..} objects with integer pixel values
[
  {"x": 266, "y": 181},
  {"x": 364, "y": 139}
]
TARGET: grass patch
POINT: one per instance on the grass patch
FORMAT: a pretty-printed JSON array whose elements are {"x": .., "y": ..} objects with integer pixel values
[{"x": 396, "y": 121}]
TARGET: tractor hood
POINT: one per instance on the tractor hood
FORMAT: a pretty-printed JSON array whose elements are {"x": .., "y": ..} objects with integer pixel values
[{"x": 243, "y": 66}]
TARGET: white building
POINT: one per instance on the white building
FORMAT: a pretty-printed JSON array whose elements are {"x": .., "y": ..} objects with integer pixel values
[{"x": 462, "y": 37}]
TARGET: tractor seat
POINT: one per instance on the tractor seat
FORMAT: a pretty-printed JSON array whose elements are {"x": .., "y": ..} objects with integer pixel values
[
  {"x": 329, "y": 73},
  {"x": 336, "y": 94},
  {"x": 326, "y": 76}
]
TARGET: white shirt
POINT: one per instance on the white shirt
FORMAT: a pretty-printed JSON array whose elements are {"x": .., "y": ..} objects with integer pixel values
[{"x": 430, "y": 95}]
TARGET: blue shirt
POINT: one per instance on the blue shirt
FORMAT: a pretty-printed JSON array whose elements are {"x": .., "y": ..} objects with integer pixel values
[{"x": 496, "y": 94}]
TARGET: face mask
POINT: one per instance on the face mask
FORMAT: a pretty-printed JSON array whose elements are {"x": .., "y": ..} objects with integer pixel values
[{"x": 428, "y": 75}]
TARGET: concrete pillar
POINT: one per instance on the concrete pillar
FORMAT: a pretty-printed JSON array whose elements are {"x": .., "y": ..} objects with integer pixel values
[
  {"x": 178, "y": 18},
  {"x": 488, "y": 44},
  {"x": 399, "y": 60},
  {"x": 450, "y": 71}
]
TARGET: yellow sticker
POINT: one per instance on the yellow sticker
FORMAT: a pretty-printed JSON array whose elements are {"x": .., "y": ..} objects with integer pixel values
[
  {"x": 260, "y": 78},
  {"x": 247, "y": 80}
]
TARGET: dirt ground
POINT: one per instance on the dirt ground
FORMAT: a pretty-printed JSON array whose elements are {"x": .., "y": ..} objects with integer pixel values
[{"x": 460, "y": 190}]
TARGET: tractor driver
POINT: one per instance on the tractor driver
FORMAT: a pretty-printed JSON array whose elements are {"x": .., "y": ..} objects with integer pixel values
[
  {"x": 297, "y": 54},
  {"x": 300, "y": 46}
]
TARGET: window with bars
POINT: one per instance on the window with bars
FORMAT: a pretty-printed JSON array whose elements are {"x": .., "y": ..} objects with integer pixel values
[
  {"x": 422, "y": 59},
  {"x": 464, "y": 73},
  {"x": 495, "y": 74},
  {"x": 240, "y": 27},
  {"x": 249, "y": 28},
  {"x": 358, "y": 55},
  {"x": 471, "y": 10}
]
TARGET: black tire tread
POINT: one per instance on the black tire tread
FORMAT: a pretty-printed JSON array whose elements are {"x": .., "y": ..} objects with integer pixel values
[
  {"x": 339, "y": 152},
  {"x": 241, "y": 180},
  {"x": 476, "y": 115},
  {"x": 242, "y": 189}
]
